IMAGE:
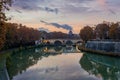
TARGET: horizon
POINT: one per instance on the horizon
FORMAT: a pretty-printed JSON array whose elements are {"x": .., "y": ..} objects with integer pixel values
[{"x": 60, "y": 15}]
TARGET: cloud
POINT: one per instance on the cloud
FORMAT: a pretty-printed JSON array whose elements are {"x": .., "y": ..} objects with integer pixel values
[
  {"x": 106, "y": 6},
  {"x": 64, "y": 26},
  {"x": 67, "y": 10},
  {"x": 112, "y": 11},
  {"x": 59, "y": 6},
  {"x": 33, "y": 5},
  {"x": 79, "y": 7},
  {"x": 44, "y": 22},
  {"x": 89, "y": 6},
  {"x": 18, "y": 11},
  {"x": 54, "y": 6},
  {"x": 43, "y": 29},
  {"x": 65, "y": 6},
  {"x": 74, "y": 9},
  {"x": 79, "y": 1},
  {"x": 55, "y": 10}
]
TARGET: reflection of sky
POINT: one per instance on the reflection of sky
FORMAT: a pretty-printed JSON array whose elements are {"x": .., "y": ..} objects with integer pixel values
[{"x": 60, "y": 67}]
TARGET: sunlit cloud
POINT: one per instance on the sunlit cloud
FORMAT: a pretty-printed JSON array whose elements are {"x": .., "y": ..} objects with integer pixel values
[
  {"x": 64, "y": 12},
  {"x": 43, "y": 29}
]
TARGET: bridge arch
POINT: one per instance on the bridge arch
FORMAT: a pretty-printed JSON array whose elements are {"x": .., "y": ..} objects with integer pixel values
[
  {"x": 57, "y": 43},
  {"x": 69, "y": 42},
  {"x": 58, "y": 48}
]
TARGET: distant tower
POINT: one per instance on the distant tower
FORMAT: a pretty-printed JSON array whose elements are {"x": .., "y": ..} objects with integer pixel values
[{"x": 70, "y": 34}]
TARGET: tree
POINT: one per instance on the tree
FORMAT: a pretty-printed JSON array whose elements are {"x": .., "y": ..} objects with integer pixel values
[
  {"x": 11, "y": 35},
  {"x": 102, "y": 31},
  {"x": 18, "y": 35},
  {"x": 4, "y": 5},
  {"x": 86, "y": 33},
  {"x": 114, "y": 31}
]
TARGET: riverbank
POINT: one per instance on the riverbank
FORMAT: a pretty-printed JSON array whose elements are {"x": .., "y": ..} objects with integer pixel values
[
  {"x": 83, "y": 49},
  {"x": 4, "y": 75},
  {"x": 5, "y": 54}
]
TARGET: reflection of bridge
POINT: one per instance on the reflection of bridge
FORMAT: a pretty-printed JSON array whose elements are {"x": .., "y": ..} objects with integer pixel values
[
  {"x": 59, "y": 49},
  {"x": 63, "y": 41}
]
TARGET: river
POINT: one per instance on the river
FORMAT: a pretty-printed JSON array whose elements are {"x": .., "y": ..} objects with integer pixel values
[{"x": 60, "y": 63}]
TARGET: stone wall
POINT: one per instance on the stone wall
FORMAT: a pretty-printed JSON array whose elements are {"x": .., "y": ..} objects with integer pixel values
[{"x": 108, "y": 46}]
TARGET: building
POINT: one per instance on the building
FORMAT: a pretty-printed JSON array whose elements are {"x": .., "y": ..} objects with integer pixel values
[{"x": 70, "y": 34}]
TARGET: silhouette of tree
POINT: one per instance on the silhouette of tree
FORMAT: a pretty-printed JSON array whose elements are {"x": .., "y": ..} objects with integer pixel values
[
  {"x": 102, "y": 30},
  {"x": 114, "y": 31},
  {"x": 4, "y": 5},
  {"x": 17, "y": 34},
  {"x": 86, "y": 33}
]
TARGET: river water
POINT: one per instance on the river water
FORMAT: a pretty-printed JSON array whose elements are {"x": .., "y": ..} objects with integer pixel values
[{"x": 61, "y": 63}]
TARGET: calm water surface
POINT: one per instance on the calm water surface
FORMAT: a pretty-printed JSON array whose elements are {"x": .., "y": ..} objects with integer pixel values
[{"x": 61, "y": 63}]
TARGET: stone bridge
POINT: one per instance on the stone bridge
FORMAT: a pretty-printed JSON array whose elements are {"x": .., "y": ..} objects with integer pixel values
[{"x": 63, "y": 41}]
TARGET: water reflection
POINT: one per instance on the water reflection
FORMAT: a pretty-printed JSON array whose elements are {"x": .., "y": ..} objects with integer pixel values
[
  {"x": 69, "y": 48},
  {"x": 19, "y": 62},
  {"x": 108, "y": 68},
  {"x": 58, "y": 48},
  {"x": 52, "y": 63}
]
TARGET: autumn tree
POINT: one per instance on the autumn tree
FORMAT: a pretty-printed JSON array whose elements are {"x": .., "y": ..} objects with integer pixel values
[
  {"x": 102, "y": 30},
  {"x": 4, "y": 5},
  {"x": 86, "y": 33},
  {"x": 11, "y": 35},
  {"x": 28, "y": 35},
  {"x": 114, "y": 31},
  {"x": 19, "y": 35}
]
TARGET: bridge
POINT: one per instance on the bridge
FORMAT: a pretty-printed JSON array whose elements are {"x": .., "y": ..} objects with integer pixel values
[
  {"x": 63, "y": 41},
  {"x": 60, "y": 41}
]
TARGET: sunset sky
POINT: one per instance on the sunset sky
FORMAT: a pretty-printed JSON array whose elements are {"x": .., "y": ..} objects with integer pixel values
[{"x": 63, "y": 15}]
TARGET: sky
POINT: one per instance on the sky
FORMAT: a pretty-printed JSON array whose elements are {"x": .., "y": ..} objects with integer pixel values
[{"x": 63, "y": 15}]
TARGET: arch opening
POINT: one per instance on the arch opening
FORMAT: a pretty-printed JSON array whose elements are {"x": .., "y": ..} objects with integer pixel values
[
  {"x": 57, "y": 43},
  {"x": 69, "y": 43}
]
